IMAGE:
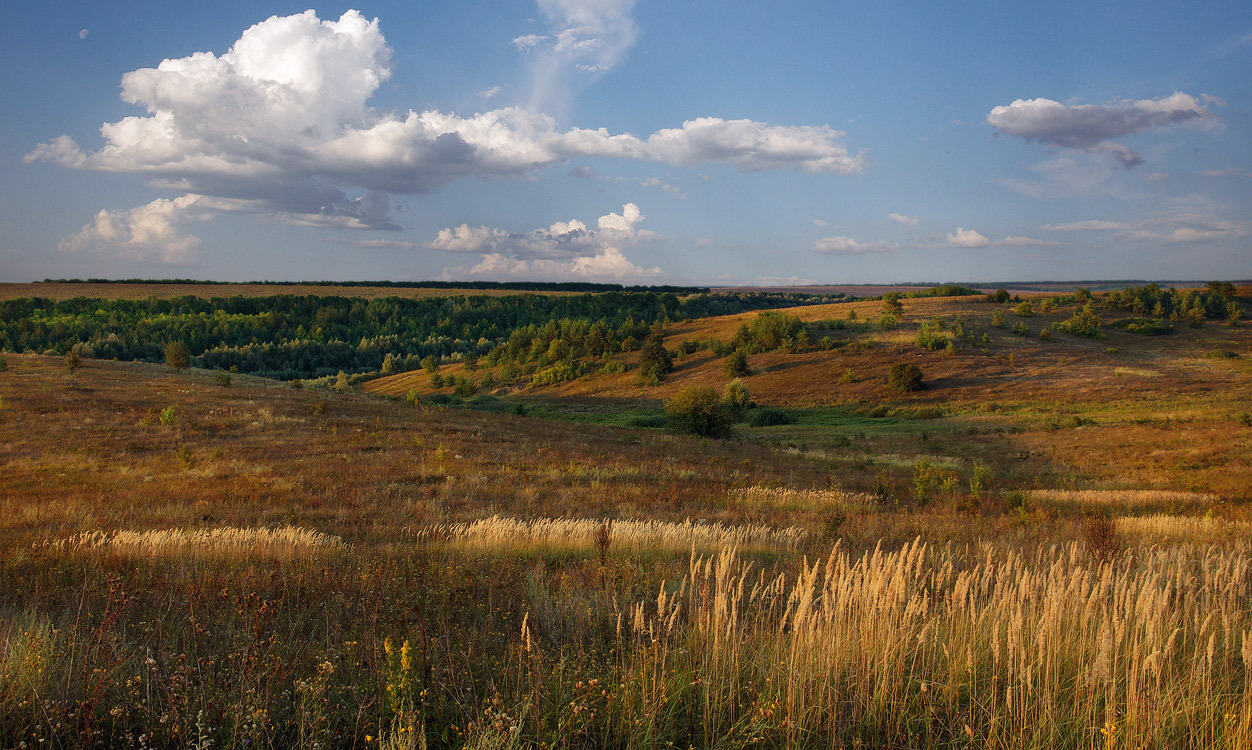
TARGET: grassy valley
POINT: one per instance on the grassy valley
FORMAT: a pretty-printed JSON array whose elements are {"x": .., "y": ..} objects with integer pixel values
[{"x": 515, "y": 544}]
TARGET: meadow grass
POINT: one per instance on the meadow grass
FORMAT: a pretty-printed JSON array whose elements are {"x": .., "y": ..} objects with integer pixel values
[
  {"x": 510, "y": 535},
  {"x": 223, "y": 542}
]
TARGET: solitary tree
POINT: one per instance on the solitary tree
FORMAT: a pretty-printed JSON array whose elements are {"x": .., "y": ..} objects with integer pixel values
[
  {"x": 176, "y": 356},
  {"x": 654, "y": 362},
  {"x": 737, "y": 364}
]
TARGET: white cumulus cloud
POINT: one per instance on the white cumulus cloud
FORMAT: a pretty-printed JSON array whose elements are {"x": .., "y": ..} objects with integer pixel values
[
  {"x": 967, "y": 238},
  {"x": 1092, "y": 127},
  {"x": 564, "y": 250},
  {"x": 151, "y": 232},
  {"x": 280, "y": 126}
]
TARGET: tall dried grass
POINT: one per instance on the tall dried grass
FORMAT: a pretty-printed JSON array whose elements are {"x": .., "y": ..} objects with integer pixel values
[
  {"x": 277, "y": 543},
  {"x": 788, "y": 498},
  {"x": 510, "y": 534},
  {"x": 926, "y": 647},
  {"x": 1130, "y": 501},
  {"x": 1185, "y": 529}
]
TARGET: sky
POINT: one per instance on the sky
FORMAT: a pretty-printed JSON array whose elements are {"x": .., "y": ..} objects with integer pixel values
[{"x": 629, "y": 141}]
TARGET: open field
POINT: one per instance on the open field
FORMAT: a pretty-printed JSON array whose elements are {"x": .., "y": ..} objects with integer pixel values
[{"x": 1048, "y": 546}]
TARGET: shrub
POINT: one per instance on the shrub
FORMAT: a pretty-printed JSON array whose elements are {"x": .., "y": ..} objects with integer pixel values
[
  {"x": 997, "y": 319},
  {"x": 648, "y": 420},
  {"x": 904, "y": 377},
  {"x": 699, "y": 411},
  {"x": 1045, "y": 334},
  {"x": 430, "y": 364},
  {"x": 1020, "y": 328},
  {"x": 1102, "y": 539},
  {"x": 4, "y": 364},
  {"x": 1048, "y": 306},
  {"x": 1024, "y": 310},
  {"x": 768, "y": 417},
  {"x": 222, "y": 378},
  {"x": 297, "y": 384},
  {"x": 736, "y": 397},
  {"x": 1214, "y": 354},
  {"x": 1084, "y": 323},
  {"x": 891, "y": 304},
  {"x": 848, "y": 377},
  {"x": 999, "y": 296},
  {"x": 167, "y": 416},
  {"x": 176, "y": 357},
  {"x": 888, "y": 322},
  {"x": 436, "y": 380},
  {"x": 979, "y": 479},
  {"x": 737, "y": 365},
  {"x": 613, "y": 367}
]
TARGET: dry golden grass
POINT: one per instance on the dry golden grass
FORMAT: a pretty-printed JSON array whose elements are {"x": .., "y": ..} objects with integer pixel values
[
  {"x": 788, "y": 498},
  {"x": 994, "y": 647},
  {"x": 512, "y": 535},
  {"x": 1127, "y": 501},
  {"x": 286, "y": 542},
  {"x": 1184, "y": 530}
]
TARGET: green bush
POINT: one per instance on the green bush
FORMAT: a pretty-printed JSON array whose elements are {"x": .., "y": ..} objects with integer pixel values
[
  {"x": 699, "y": 410},
  {"x": 1024, "y": 310},
  {"x": 222, "y": 378},
  {"x": 999, "y": 296},
  {"x": 1214, "y": 354},
  {"x": 904, "y": 377},
  {"x": 768, "y": 417},
  {"x": 1084, "y": 323},
  {"x": 4, "y": 363},
  {"x": 73, "y": 361}
]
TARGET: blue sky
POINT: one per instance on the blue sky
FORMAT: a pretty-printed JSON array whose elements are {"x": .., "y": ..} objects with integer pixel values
[{"x": 638, "y": 142}]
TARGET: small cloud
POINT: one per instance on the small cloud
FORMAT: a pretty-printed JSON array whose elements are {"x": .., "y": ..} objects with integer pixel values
[
  {"x": 818, "y": 222},
  {"x": 584, "y": 173},
  {"x": 847, "y": 246},
  {"x": 1012, "y": 241},
  {"x": 1156, "y": 177},
  {"x": 82, "y": 34},
  {"x": 379, "y": 244},
  {"x": 527, "y": 42},
  {"x": 1233, "y": 171},
  {"x": 1090, "y": 225},
  {"x": 783, "y": 281},
  {"x": 486, "y": 94},
  {"x": 967, "y": 238},
  {"x": 902, "y": 220},
  {"x": 703, "y": 242}
]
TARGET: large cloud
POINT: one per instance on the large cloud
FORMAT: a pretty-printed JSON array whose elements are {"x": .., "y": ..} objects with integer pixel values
[
  {"x": 280, "y": 125},
  {"x": 566, "y": 249},
  {"x": 1092, "y": 127}
]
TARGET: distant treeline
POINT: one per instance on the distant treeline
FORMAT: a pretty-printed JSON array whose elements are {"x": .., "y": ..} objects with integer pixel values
[
  {"x": 289, "y": 336},
  {"x": 521, "y": 286}
]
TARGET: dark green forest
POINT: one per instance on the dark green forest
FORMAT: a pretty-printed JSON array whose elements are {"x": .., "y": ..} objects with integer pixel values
[{"x": 290, "y": 337}]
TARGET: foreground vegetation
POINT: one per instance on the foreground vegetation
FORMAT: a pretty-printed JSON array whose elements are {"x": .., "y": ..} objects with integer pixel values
[{"x": 198, "y": 560}]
